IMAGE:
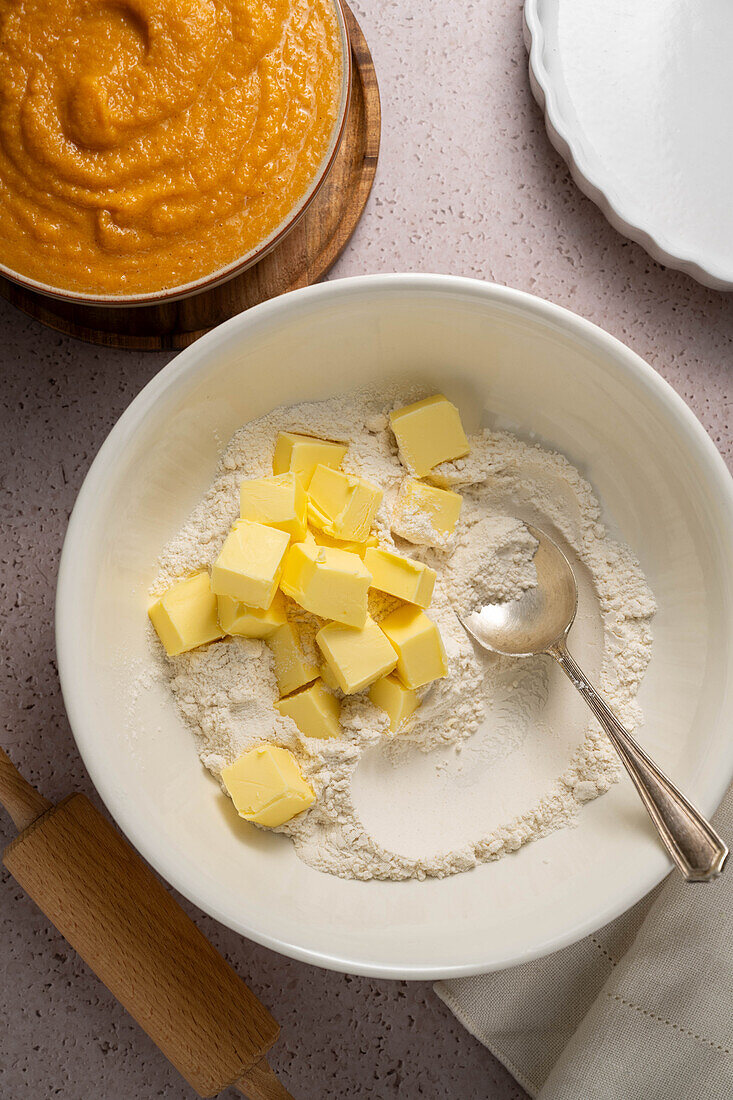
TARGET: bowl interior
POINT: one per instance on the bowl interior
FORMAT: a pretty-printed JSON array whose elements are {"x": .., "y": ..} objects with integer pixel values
[{"x": 507, "y": 360}]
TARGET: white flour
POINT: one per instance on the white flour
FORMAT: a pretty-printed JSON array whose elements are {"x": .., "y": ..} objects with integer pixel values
[
  {"x": 226, "y": 691},
  {"x": 492, "y": 560}
]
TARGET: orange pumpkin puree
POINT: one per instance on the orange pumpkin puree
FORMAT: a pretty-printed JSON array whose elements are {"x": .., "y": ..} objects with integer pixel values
[{"x": 146, "y": 143}]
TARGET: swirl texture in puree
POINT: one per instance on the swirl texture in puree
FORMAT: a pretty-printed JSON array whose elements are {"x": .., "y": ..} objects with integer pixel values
[{"x": 146, "y": 143}]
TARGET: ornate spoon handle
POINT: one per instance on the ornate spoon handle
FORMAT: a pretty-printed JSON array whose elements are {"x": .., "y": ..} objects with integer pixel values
[{"x": 690, "y": 840}]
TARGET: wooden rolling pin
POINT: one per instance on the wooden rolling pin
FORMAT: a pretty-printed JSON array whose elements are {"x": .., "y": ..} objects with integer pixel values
[{"x": 113, "y": 911}]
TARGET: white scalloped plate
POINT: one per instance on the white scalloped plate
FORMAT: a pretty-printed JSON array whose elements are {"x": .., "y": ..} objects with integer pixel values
[{"x": 638, "y": 100}]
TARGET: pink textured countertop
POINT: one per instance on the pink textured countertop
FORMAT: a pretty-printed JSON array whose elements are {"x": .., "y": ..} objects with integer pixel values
[{"x": 468, "y": 184}]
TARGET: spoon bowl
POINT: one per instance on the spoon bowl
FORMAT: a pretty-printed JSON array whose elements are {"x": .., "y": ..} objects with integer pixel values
[{"x": 540, "y": 617}]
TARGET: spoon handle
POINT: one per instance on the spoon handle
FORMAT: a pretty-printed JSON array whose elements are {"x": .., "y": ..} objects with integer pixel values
[{"x": 690, "y": 840}]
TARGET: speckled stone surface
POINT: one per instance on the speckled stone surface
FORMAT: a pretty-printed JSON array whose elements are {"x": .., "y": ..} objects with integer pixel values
[{"x": 468, "y": 184}]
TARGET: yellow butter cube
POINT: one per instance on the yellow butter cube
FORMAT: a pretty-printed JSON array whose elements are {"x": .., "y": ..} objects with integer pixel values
[
  {"x": 185, "y": 615},
  {"x": 402, "y": 577},
  {"x": 300, "y": 454},
  {"x": 267, "y": 786},
  {"x": 357, "y": 656},
  {"x": 424, "y": 514},
  {"x": 251, "y": 622},
  {"x": 427, "y": 433},
  {"x": 328, "y": 678},
  {"x": 320, "y": 538},
  {"x": 420, "y": 653},
  {"x": 279, "y": 502},
  {"x": 327, "y": 582},
  {"x": 250, "y": 564},
  {"x": 342, "y": 505},
  {"x": 292, "y": 669},
  {"x": 393, "y": 697},
  {"x": 315, "y": 711}
]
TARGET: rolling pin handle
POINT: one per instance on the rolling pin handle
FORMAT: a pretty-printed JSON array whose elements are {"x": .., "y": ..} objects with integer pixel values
[
  {"x": 260, "y": 1083},
  {"x": 24, "y": 804}
]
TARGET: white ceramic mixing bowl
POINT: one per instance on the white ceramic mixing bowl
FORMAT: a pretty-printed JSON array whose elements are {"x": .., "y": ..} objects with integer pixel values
[{"x": 508, "y": 360}]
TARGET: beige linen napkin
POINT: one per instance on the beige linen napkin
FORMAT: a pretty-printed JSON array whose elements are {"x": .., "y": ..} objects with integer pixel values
[{"x": 642, "y": 1010}]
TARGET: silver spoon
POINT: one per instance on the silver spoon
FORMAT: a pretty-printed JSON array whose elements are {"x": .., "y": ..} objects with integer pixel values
[{"x": 539, "y": 622}]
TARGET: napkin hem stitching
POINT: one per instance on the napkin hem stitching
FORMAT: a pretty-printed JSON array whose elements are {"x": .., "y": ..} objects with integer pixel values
[
  {"x": 669, "y": 1023},
  {"x": 603, "y": 951}
]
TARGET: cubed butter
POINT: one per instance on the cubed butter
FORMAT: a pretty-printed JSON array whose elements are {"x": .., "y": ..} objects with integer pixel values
[
  {"x": 250, "y": 564},
  {"x": 292, "y": 669},
  {"x": 342, "y": 505},
  {"x": 267, "y": 786},
  {"x": 357, "y": 656},
  {"x": 251, "y": 622},
  {"x": 315, "y": 711},
  {"x": 320, "y": 538},
  {"x": 427, "y": 433},
  {"x": 328, "y": 678},
  {"x": 393, "y": 697},
  {"x": 416, "y": 639},
  {"x": 402, "y": 577},
  {"x": 327, "y": 582},
  {"x": 424, "y": 514},
  {"x": 300, "y": 454},
  {"x": 185, "y": 615},
  {"x": 278, "y": 501}
]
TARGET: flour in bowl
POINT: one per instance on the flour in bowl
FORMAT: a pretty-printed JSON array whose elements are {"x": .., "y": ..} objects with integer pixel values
[{"x": 226, "y": 691}]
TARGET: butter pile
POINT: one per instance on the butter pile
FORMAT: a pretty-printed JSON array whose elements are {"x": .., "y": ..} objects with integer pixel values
[{"x": 306, "y": 533}]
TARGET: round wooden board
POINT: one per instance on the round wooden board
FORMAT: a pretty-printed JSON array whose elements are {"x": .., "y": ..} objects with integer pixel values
[{"x": 302, "y": 258}]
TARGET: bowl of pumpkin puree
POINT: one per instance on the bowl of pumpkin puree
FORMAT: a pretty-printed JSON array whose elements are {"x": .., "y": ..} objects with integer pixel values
[{"x": 150, "y": 149}]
